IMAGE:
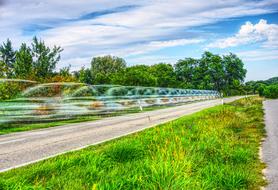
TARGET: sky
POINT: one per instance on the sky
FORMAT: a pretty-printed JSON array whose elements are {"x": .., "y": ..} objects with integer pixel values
[{"x": 148, "y": 31}]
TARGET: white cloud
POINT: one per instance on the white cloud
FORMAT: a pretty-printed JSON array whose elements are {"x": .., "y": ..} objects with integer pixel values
[
  {"x": 156, "y": 45},
  {"x": 258, "y": 55},
  {"x": 261, "y": 63},
  {"x": 136, "y": 50},
  {"x": 151, "y": 26},
  {"x": 251, "y": 33},
  {"x": 172, "y": 43}
]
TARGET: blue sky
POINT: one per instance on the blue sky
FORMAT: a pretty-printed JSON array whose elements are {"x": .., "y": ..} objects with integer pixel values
[{"x": 149, "y": 31}]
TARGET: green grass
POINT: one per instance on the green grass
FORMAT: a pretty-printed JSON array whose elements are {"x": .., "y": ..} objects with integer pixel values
[
  {"x": 18, "y": 127},
  {"x": 214, "y": 149}
]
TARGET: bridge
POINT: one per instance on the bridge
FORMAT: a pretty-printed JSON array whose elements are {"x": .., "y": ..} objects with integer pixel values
[{"x": 60, "y": 101}]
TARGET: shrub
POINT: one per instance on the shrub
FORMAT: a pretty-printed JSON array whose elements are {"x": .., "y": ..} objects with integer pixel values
[
  {"x": 9, "y": 90},
  {"x": 12, "y": 89},
  {"x": 271, "y": 91}
]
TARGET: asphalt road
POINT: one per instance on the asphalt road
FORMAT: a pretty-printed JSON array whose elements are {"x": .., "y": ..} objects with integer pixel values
[
  {"x": 19, "y": 149},
  {"x": 270, "y": 145}
]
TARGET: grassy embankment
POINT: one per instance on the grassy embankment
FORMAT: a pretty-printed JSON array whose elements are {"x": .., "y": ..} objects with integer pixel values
[{"x": 214, "y": 149}]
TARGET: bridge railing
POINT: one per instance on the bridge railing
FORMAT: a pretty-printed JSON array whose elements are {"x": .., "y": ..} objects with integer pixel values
[{"x": 59, "y": 101}]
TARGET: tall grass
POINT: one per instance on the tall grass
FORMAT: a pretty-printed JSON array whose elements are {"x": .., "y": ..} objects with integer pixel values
[{"x": 213, "y": 149}]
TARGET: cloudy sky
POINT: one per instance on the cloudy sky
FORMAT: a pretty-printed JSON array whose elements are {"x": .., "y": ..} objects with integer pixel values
[{"x": 149, "y": 31}]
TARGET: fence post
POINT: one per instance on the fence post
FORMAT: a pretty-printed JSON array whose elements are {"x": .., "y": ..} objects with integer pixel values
[{"x": 140, "y": 106}]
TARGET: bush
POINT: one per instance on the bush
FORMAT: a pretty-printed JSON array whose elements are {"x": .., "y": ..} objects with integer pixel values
[
  {"x": 12, "y": 89},
  {"x": 271, "y": 91},
  {"x": 9, "y": 90}
]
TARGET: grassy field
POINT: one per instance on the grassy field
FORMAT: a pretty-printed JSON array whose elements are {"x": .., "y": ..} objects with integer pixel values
[{"x": 213, "y": 149}]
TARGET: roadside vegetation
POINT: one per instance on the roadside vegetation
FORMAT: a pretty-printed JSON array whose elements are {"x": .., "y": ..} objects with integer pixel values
[
  {"x": 267, "y": 88},
  {"x": 270, "y": 91},
  {"x": 214, "y": 149},
  {"x": 38, "y": 62}
]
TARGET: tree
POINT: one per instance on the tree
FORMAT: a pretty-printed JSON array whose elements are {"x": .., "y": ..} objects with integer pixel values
[
  {"x": 3, "y": 69},
  {"x": 23, "y": 67},
  {"x": 103, "y": 68},
  {"x": 213, "y": 73},
  {"x": 234, "y": 72},
  {"x": 84, "y": 76},
  {"x": 138, "y": 75},
  {"x": 7, "y": 56},
  {"x": 273, "y": 80},
  {"x": 252, "y": 87},
  {"x": 65, "y": 71},
  {"x": 262, "y": 87},
  {"x": 64, "y": 75},
  {"x": 185, "y": 72},
  {"x": 164, "y": 74},
  {"x": 271, "y": 91},
  {"x": 45, "y": 59},
  {"x": 224, "y": 74},
  {"x": 195, "y": 73}
]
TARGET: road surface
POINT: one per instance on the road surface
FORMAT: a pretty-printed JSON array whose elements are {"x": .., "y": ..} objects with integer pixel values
[
  {"x": 19, "y": 149},
  {"x": 270, "y": 145}
]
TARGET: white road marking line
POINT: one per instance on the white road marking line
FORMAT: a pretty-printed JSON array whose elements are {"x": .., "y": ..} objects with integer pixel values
[{"x": 12, "y": 141}]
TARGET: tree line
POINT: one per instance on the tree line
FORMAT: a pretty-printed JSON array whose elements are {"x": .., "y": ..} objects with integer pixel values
[
  {"x": 267, "y": 88},
  {"x": 35, "y": 62},
  {"x": 38, "y": 62}
]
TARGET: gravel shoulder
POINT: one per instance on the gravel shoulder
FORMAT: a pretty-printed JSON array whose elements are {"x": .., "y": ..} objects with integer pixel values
[{"x": 270, "y": 144}]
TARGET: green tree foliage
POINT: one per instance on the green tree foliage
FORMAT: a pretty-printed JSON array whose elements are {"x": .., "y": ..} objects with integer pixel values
[
  {"x": 45, "y": 59},
  {"x": 202, "y": 77},
  {"x": 185, "y": 70},
  {"x": 38, "y": 62},
  {"x": 7, "y": 56},
  {"x": 234, "y": 73},
  {"x": 211, "y": 72},
  {"x": 84, "y": 76},
  {"x": 267, "y": 88},
  {"x": 103, "y": 68},
  {"x": 214, "y": 71},
  {"x": 273, "y": 80},
  {"x": 164, "y": 74},
  {"x": 9, "y": 90},
  {"x": 7, "y": 53},
  {"x": 23, "y": 65},
  {"x": 138, "y": 75},
  {"x": 3, "y": 69},
  {"x": 64, "y": 75},
  {"x": 261, "y": 89},
  {"x": 12, "y": 89},
  {"x": 65, "y": 71},
  {"x": 253, "y": 87},
  {"x": 270, "y": 91}
]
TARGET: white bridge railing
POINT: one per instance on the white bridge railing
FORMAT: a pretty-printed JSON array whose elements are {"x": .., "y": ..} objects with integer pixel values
[{"x": 59, "y": 101}]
